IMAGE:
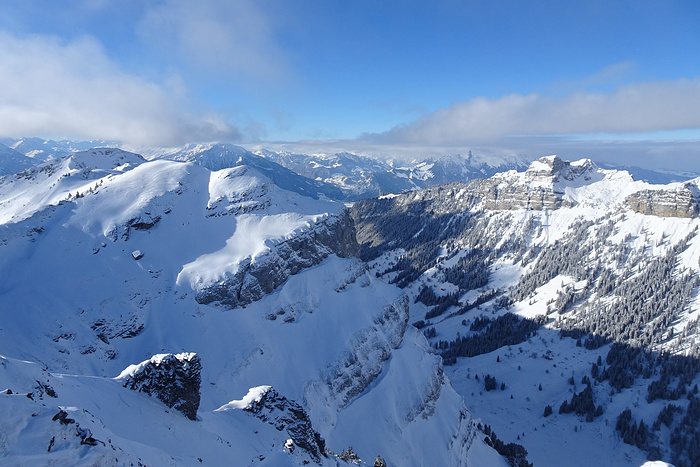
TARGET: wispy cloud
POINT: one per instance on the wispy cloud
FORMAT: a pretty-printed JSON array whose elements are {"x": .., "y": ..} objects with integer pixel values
[
  {"x": 217, "y": 36},
  {"x": 72, "y": 88},
  {"x": 639, "y": 107},
  {"x": 604, "y": 80}
]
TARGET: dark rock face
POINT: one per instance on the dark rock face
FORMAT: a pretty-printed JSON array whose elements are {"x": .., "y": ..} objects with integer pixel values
[
  {"x": 285, "y": 414},
  {"x": 334, "y": 235},
  {"x": 665, "y": 203},
  {"x": 174, "y": 379}
]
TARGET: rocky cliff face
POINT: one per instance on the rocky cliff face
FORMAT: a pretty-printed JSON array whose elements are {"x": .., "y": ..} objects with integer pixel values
[
  {"x": 174, "y": 379},
  {"x": 255, "y": 278},
  {"x": 682, "y": 202},
  {"x": 284, "y": 414},
  {"x": 541, "y": 186},
  {"x": 363, "y": 363},
  {"x": 498, "y": 196}
]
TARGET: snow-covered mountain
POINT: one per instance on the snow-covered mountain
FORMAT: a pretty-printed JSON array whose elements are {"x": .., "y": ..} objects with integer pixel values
[
  {"x": 341, "y": 176},
  {"x": 208, "y": 306},
  {"x": 162, "y": 313},
  {"x": 42, "y": 150},
  {"x": 652, "y": 176},
  {"x": 12, "y": 162},
  {"x": 452, "y": 168},
  {"x": 26, "y": 193},
  {"x": 563, "y": 300},
  {"x": 217, "y": 156},
  {"x": 361, "y": 177}
]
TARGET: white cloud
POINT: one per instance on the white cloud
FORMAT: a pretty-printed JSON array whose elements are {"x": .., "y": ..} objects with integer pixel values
[
  {"x": 639, "y": 107},
  {"x": 72, "y": 89},
  {"x": 218, "y": 36}
]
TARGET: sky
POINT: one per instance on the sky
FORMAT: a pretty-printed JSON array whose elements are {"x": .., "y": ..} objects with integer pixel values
[{"x": 618, "y": 81}]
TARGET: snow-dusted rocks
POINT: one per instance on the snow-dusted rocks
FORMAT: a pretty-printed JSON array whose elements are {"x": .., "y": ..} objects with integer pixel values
[
  {"x": 284, "y": 414},
  {"x": 174, "y": 379}
]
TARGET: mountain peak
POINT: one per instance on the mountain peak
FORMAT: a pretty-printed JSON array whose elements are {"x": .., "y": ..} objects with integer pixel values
[
  {"x": 547, "y": 165},
  {"x": 556, "y": 168},
  {"x": 103, "y": 158}
]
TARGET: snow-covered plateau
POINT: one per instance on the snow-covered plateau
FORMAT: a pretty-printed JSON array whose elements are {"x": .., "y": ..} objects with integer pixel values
[{"x": 207, "y": 306}]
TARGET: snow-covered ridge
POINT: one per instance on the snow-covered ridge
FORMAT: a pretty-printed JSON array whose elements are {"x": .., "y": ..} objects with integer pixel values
[
  {"x": 126, "y": 193},
  {"x": 65, "y": 179},
  {"x": 156, "y": 360},
  {"x": 219, "y": 156},
  {"x": 263, "y": 252},
  {"x": 253, "y": 397},
  {"x": 42, "y": 150},
  {"x": 555, "y": 183},
  {"x": 362, "y": 177}
]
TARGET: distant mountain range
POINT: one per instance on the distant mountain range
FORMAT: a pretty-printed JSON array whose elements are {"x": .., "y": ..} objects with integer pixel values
[
  {"x": 362, "y": 177},
  {"x": 42, "y": 149},
  {"x": 342, "y": 176}
]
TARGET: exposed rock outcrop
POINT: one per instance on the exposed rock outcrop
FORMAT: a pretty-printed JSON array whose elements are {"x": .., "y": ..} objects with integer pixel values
[
  {"x": 254, "y": 279},
  {"x": 497, "y": 195},
  {"x": 284, "y": 414},
  {"x": 682, "y": 202},
  {"x": 174, "y": 379},
  {"x": 371, "y": 347},
  {"x": 356, "y": 368},
  {"x": 84, "y": 434},
  {"x": 540, "y": 187}
]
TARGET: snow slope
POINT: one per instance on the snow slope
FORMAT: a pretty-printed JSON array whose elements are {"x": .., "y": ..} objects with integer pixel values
[
  {"x": 519, "y": 227},
  {"x": 78, "y": 304},
  {"x": 25, "y": 193}
]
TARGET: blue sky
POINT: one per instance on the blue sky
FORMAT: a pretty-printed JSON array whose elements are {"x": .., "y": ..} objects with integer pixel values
[{"x": 618, "y": 80}]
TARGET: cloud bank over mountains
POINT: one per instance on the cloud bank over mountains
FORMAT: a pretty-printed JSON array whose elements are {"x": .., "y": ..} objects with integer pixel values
[
  {"x": 633, "y": 108},
  {"x": 73, "y": 89}
]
